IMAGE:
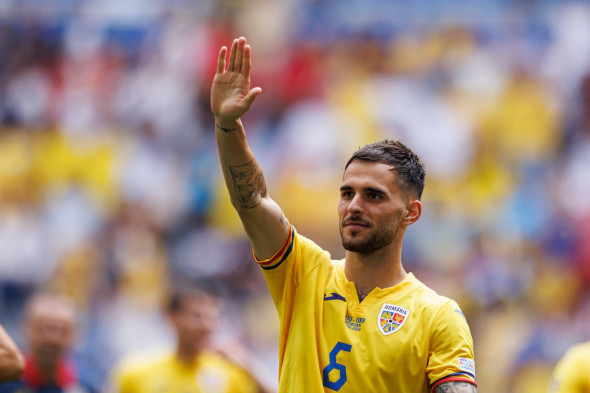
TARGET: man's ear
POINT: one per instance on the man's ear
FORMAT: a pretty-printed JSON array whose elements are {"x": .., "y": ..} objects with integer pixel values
[{"x": 413, "y": 212}]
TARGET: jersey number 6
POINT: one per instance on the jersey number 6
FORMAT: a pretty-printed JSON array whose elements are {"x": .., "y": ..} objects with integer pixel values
[{"x": 337, "y": 384}]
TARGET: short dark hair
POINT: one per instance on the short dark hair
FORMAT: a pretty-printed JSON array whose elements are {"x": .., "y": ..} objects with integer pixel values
[
  {"x": 404, "y": 161},
  {"x": 200, "y": 290}
]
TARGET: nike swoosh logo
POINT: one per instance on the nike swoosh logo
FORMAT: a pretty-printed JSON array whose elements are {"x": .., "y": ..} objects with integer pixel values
[{"x": 334, "y": 296}]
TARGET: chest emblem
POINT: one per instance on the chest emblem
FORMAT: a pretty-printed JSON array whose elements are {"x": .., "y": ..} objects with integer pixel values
[{"x": 391, "y": 318}]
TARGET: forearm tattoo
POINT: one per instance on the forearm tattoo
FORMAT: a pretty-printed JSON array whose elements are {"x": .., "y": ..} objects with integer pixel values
[
  {"x": 455, "y": 387},
  {"x": 226, "y": 130},
  {"x": 250, "y": 185}
]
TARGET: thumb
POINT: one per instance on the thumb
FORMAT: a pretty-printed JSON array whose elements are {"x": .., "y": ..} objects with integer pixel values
[{"x": 251, "y": 96}]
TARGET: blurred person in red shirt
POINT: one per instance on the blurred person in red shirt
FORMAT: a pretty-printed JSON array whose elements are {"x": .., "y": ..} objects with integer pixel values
[{"x": 50, "y": 330}]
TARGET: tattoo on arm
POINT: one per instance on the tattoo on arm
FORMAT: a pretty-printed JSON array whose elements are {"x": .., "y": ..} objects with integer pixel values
[
  {"x": 226, "y": 130},
  {"x": 250, "y": 185},
  {"x": 455, "y": 387}
]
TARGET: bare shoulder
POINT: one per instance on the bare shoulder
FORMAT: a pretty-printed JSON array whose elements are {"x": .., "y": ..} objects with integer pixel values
[{"x": 455, "y": 387}]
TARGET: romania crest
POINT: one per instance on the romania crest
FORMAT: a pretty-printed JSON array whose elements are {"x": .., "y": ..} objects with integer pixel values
[{"x": 391, "y": 318}]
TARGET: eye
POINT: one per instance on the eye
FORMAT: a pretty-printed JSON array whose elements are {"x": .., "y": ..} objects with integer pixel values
[
  {"x": 346, "y": 194},
  {"x": 373, "y": 195}
]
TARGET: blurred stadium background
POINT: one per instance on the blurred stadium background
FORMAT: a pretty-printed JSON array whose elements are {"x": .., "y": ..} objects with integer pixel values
[{"x": 110, "y": 189}]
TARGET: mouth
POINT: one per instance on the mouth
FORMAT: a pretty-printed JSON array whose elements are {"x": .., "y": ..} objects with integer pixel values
[{"x": 355, "y": 224}]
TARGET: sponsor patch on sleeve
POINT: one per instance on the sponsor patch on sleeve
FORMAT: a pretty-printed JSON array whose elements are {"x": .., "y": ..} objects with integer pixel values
[{"x": 467, "y": 365}]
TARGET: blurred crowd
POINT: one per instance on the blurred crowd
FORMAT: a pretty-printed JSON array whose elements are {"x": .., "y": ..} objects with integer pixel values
[{"x": 111, "y": 192}]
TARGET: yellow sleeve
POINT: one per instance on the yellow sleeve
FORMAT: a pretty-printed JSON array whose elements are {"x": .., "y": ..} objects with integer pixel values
[
  {"x": 451, "y": 355},
  {"x": 286, "y": 269},
  {"x": 570, "y": 375}
]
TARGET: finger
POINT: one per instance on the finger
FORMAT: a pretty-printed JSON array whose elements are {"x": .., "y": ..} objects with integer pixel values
[
  {"x": 240, "y": 54},
  {"x": 221, "y": 60},
  {"x": 247, "y": 62},
  {"x": 251, "y": 96},
  {"x": 232, "y": 56}
]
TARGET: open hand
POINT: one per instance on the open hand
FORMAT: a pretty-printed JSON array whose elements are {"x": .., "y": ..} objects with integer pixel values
[{"x": 231, "y": 95}]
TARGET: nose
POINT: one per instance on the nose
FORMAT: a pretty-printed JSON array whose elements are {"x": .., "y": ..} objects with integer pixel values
[
  {"x": 53, "y": 335},
  {"x": 356, "y": 205}
]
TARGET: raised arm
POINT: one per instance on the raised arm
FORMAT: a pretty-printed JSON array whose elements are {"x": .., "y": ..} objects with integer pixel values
[
  {"x": 11, "y": 360},
  {"x": 231, "y": 97}
]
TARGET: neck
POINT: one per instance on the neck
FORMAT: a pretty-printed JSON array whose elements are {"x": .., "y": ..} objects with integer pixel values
[
  {"x": 48, "y": 372},
  {"x": 382, "y": 268},
  {"x": 186, "y": 355},
  {"x": 43, "y": 371},
  {"x": 47, "y": 368}
]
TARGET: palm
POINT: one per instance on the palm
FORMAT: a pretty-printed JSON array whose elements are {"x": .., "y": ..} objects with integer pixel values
[
  {"x": 231, "y": 95},
  {"x": 227, "y": 94}
]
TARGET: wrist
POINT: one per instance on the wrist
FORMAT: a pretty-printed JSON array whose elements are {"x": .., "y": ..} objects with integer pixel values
[{"x": 227, "y": 125}]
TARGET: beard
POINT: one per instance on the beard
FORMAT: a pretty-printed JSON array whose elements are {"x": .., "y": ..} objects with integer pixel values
[{"x": 371, "y": 242}]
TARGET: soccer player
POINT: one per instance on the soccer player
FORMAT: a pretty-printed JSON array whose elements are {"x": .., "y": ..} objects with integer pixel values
[
  {"x": 50, "y": 321},
  {"x": 12, "y": 362},
  {"x": 361, "y": 324},
  {"x": 572, "y": 373},
  {"x": 194, "y": 366}
]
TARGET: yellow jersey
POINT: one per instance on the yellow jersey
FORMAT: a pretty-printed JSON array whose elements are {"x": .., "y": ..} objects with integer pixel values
[
  {"x": 572, "y": 373},
  {"x": 210, "y": 373},
  {"x": 403, "y": 339}
]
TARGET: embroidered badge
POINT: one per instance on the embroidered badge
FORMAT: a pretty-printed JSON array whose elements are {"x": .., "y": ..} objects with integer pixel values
[
  {"x": 467, "y": 365},
  {"x": 391, "y": 318},
  {"x": 354, "y": 323}
]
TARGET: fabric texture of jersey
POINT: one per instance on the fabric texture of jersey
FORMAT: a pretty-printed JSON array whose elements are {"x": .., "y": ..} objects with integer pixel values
[
  {"x": 572, "y": 373},
  {"x": 403, "y": 339},
  {"x": 164, "y": 374}
]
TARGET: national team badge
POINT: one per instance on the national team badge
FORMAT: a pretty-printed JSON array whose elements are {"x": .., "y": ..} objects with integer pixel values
[{"x": 391, "y": 318}]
